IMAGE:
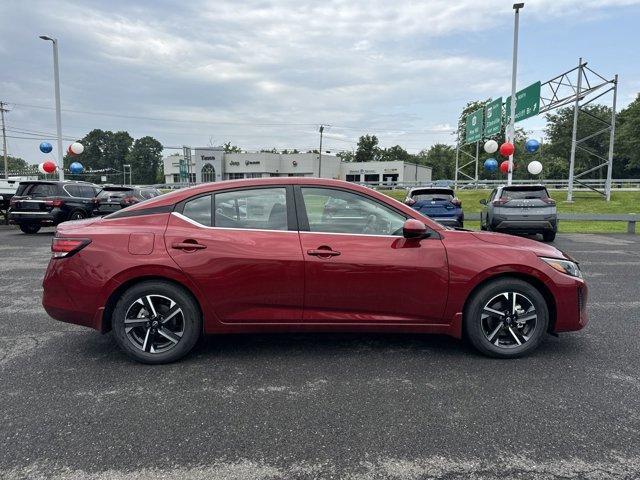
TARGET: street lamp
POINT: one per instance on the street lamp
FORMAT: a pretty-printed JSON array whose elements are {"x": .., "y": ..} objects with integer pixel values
[
  {"x": 56, "y": 77},
  {"x": 511, "y": 129},
  {"x": 320, "y": 156}
]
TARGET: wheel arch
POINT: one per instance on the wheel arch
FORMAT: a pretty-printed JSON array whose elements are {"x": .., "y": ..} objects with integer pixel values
[
  {"x": 534, "y": 281},
  {"x": 111, "y": 302}
]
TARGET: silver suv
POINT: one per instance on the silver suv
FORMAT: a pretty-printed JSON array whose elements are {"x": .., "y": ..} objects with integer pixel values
[{"x": 524, "y": 209}]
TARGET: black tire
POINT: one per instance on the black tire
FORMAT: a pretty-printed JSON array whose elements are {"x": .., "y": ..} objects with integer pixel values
[
  {"x": 477, "y": 327},
  {"x": 30, "y": 228},
  {"x": 77, "y": 215},
  {"x": 189, "y": 320},
  {"x": 549, "y": 236}
]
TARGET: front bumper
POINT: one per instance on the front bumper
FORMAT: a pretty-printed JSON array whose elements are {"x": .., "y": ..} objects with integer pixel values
[{"x": 571, "y": 306}]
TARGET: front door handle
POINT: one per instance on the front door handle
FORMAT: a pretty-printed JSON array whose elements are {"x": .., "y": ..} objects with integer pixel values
[
  {"x": 323, "y": 252},
  {"x": 192, "y": 245}
]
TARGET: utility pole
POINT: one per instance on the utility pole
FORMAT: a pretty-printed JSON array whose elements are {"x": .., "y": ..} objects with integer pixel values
[
  {"x": 320, "y": 156},
  {"x": 511, "y": 129},
  {"x": 56, "y": 79},
  {"x": 4, "y": 141}
]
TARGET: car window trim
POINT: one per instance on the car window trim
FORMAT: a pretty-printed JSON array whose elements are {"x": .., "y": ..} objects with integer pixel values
[{"x": 292, "y": 223}]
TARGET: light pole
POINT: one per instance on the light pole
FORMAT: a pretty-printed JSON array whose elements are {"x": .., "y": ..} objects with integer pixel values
[
  {"x": 511, "y": 129},
  {"x": 320, "y": 156},
  {"x": 56, "y": 77}
]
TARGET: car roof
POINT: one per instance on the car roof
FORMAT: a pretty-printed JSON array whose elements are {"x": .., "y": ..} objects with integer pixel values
[{"x": 54, "y": 182}]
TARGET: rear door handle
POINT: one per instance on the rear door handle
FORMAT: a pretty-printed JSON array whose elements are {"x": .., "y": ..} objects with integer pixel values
[
  {"x": 188, "y": 246},
  {"x": 323, "y": 252}
]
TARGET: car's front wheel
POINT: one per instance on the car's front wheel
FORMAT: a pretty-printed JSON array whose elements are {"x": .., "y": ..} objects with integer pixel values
[
  {"x": 506, "y": 318},
  {"x": 156, "y": 322}
]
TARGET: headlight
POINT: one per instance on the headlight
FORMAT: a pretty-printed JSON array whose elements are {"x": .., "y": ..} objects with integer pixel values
[{"x": 564, "y": 266}]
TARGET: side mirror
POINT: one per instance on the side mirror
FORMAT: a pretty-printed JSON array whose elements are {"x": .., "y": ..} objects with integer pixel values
[
  {"x": 413, "y": 228},
  {"x": 483, "y": 201}
]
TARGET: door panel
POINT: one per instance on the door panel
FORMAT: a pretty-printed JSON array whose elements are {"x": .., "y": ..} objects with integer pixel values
[
  {"x": 358, "y": 268},
  {"x": 374, "y": 279},
  {"x": 247, "y": 275}
]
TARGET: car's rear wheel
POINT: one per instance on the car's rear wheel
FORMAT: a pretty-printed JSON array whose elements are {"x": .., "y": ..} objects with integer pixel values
[
  {"x": 77, "y": 215},
  {"x": 549, "y": 236},
  {"x": 506, "y": 318},
  {"x": 156, "y": 322},
  {"x": 29, "y": 228}
]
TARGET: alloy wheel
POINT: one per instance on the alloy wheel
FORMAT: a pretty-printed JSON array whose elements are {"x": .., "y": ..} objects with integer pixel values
[
  {"x": 509, "y": 319},
  {"x": 154, "y": 323}
]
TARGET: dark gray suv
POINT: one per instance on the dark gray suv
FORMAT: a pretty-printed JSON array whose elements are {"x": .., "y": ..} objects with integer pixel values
[{"x": 525, "y": 209}]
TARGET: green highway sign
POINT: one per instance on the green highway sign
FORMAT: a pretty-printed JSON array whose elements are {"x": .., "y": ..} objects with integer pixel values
[
  {"x": 474, "y": 123},
  {"x": 527, "y": 102},
  {"x": 493, "y": 117}
]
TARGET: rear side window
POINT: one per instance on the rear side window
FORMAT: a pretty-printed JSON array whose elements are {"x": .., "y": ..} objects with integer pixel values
[
  {"x": 529, "y": 193},
  {"x": 199, "y": 210},
  {"x": 80, "y": 191},
  {"x": 258, "y": 208},
  {"x": 114, "y": 193}
]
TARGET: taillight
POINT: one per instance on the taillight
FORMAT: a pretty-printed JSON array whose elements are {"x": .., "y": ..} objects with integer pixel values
[
  {"x": 499, "y": 202},
  {"x": 55, "y": 203},
  {"x": 549, "y": 201},
  {"x": 456, "y": 201},
  {"x": 65, "y": 247},
  {"x": 409, "y": 201}
]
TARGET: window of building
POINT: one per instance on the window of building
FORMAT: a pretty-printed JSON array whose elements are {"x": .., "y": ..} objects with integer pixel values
[
  {"x": 258, "y": 208},
  {"x": 208, "y": 173},
  {"x": 337, "y": 211},
  {"x": 199, "y": 210},
  {"x": 353, "y": 177},
  {"x": 192, "y": 178},
  {"x": 176, "y": 178},
  {"x": 235, "y": 176},
  {"x": 372, "y": 177}
]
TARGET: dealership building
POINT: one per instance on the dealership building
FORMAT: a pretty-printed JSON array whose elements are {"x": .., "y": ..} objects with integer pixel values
[{"x": 213, "y": 164}]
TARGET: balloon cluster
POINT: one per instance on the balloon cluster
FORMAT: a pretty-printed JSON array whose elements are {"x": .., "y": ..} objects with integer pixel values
[
  {"x": 49, "y": 166},
  {"x": 506, "y": 150}
]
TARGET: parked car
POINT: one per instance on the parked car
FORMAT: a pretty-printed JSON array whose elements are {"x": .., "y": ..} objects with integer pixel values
[
  {"x": 114, "y": 197},
  {"x": 440, "y": 204},
  {"x": 162, "y": 273},
  {"x": 524, "y": 209},
  {"x": 45, "y": 203}
]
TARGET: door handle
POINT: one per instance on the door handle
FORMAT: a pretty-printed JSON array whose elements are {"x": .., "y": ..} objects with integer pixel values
[
  {"x": 192, "y": 245},
  {"x": 323, "y": 252}
]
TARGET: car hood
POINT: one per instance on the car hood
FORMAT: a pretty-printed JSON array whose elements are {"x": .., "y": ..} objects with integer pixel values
[{"x": 540, "y": 249}]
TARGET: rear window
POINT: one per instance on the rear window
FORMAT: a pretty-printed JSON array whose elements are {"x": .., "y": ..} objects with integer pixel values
[
  {"x": 114, "y": 192},
  {"x": 432, "y": 195},
  {"x": 38, "y": 190},
  {"x": 524, "y": 193},
  {"x": 149, "y": 193}
]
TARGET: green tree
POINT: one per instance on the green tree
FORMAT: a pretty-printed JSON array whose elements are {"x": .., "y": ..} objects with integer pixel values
[
  {"x": 145, "y": 158},
  {"x": 346, "y": 156},
  {"x": 14, "y": 164},
  {"x": 395, "y": 153},
  {"x": 228, "y": 148},
  {"x": 442, "y": 160},
  {"x": 368, "y": 150},
  {"x": 102, "y": 149},
  {"x": 627, "y": 147}
]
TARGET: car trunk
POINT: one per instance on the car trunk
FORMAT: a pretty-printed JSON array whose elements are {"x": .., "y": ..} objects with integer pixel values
[
  {"x": 34, "y": 197},
  {"x": 525, "y": 200},
  {"x": 435, "y": 202}
]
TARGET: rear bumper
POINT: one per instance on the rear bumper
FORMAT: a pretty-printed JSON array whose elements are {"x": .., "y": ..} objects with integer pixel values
[
  {"x": 53, "y": 217},
  {"x": 524, "y": 225}
]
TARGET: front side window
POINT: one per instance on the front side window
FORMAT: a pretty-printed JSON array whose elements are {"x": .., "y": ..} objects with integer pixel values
[
  {"x": 199, "y": 210},
  {"x": 337, "y": 211},
  {"x": 259, "y": 208}
]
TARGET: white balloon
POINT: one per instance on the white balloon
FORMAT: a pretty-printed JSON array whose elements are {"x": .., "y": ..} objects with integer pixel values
[
  {"x": 491, "y": 146},
  {"x": 77, "y": 148},
  {"x": 41, "y": 168},
  {"x": 534, "y": 167}
]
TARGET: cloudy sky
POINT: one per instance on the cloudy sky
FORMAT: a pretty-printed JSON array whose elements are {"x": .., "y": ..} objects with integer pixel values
[{"x": 265, "y": 74}]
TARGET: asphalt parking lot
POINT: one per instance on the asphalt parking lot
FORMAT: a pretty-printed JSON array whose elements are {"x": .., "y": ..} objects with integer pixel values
[{"x": 322, "y": 405}]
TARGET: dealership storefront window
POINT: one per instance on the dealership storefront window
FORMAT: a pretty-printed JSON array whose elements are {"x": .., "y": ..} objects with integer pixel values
[
  {"x": 372, "y": 177},
  {"x": 350, "y": 177},
  {"x": 235, "y": 176},
  {"x": 208, "y": 173}
]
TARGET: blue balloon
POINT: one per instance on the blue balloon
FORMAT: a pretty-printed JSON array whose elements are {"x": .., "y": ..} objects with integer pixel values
[
  {"x": 46, "y": 147},
  {"x": 491, "y": 164},
  {"x": 532, "y": 145},
  {"x": 76, "y": 167}
]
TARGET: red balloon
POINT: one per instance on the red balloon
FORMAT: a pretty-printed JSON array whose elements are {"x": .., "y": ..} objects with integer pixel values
[
  {"x": 504, "y": 166},
  {"x": 70, "y": 152},
  {"x": 507, "y": 149},
  {"x": 49, "y": 166}
]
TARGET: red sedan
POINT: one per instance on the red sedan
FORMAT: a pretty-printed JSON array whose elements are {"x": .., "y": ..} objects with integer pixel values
[{"x": 302, "y": 254}]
